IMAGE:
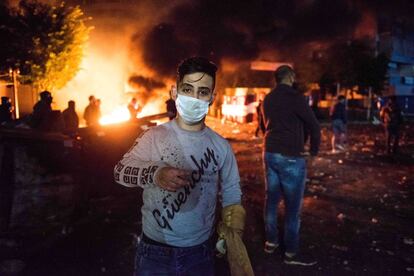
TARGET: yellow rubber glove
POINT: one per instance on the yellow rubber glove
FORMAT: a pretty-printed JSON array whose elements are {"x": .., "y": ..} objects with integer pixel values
[{"x": 230, "y": 229}]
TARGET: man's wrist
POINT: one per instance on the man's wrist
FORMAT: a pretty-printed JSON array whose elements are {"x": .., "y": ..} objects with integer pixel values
[
  {"x": 155, "y": 179},
  {"x": 156, "y": 176}
]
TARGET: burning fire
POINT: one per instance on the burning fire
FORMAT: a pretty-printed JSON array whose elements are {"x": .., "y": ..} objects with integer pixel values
[
  {"x": 104, "y": 73},
  {"x": 235, "y": 108},
  {"x": 118, "y": 115},
  {"x": 121, "y": 113}
]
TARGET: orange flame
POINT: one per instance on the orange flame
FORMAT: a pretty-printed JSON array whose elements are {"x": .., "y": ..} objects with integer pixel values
[{"x": 104, "y": 73}]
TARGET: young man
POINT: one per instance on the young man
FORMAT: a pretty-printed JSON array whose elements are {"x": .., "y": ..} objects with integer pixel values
[
  {"x": 339, "y": 120},
  {"x": 286, "y": 115},
  {"x": 180, "y": 165}
]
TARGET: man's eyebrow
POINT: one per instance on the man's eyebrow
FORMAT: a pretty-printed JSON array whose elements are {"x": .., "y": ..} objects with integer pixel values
[
  {"x": 192, "y": 86},
  {"x": 187, "y": 84},
  {"x": 204, "y": 87},
  {"x": 184, "y": 84}
]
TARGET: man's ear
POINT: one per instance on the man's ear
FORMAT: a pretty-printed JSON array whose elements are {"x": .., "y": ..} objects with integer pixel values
[{"x": 173, "y": 92}]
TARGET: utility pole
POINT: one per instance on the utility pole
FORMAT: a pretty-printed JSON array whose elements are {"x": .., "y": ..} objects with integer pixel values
[{"x": 15, "y": 73}]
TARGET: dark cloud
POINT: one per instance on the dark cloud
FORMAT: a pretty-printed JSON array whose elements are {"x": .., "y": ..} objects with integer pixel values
[{"x": 240, "y": 30}]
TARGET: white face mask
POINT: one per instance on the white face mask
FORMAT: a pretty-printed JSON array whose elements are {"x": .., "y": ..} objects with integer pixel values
[{"x": 191, "y": 110}]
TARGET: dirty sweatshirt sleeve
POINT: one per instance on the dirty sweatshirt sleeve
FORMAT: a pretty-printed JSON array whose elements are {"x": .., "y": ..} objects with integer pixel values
[
  {"x": 230, "y": 179},
  {"x": 140, "y": 164}
]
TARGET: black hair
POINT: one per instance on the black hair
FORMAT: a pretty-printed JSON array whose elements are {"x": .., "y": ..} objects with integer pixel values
[
  {"x": 45, "y": 94},
  {"x": 283, "y": 72},
  {"x": 194, "y": 65},
  {"x": 341, "y": 97}
]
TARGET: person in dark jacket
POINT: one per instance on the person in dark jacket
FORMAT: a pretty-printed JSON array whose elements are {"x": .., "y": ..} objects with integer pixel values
[
  {"x": 392, "y": 119},
  {"x": 70, "y": 118},
  {"x": 339, "y": 120},
  {"x": 286, "y": 115},
  {"x": 42, "y": 112},
  {"x": 6, "y": 110}
]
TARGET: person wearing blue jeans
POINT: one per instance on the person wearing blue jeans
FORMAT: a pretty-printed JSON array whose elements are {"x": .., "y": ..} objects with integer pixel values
[
  {"x": 286, "y": 116},
  {"x": 339, "y": 119},
  {"x": 284, "y": 175}
]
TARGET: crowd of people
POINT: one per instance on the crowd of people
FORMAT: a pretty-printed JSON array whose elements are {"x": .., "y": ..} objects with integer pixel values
[{"x": 44, "y": 118}]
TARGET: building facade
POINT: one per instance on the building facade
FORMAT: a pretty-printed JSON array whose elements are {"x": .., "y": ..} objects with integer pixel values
[{"x": 399, "y": 46}]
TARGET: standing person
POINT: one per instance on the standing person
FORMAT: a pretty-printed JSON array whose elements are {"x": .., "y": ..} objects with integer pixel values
[
  {"x": 90, "y": 112},
  {"x": 180, "y": 165},
  {"x": 286, "y": 115},
  {"x": 170, "y": 104},
  {"x": 42, "y": 112},
  {"x": 260, "y": 122},
  {"x": 6, "y": 110},
  {"x": 392, "y": 119},
  {"x": 339, "y": 120},
  {"x": 70, "y": 118},
  {"x": 133, "y": 109}
]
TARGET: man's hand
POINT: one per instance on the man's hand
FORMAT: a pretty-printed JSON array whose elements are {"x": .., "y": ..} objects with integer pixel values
[{"x": 172, "y": 179}]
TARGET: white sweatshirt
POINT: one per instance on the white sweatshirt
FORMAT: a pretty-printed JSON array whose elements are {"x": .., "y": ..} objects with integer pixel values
[{"x": 185, "y": 217}]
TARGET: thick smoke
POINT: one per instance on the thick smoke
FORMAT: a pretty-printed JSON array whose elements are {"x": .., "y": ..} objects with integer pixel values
[
  {"x": 147, "y": 83},
  {"x": 241, "y": 30}
]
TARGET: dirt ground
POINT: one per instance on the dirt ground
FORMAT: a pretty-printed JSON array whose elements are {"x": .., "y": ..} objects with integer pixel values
[{"x": 358, "y": 216}]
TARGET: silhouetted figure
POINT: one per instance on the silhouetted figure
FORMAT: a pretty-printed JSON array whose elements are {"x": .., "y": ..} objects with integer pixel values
[
  {"x": 42, "y": 112},
  {"x": 92, "y": 112},
  {"x": 260, "y": 122},
  {"x": 339, "y": 120},
  {"x": 171, "y": 108},
  {"x": 71, "y": 119},
  {"x": 133, "y": 109},
  {"x": 392, "y": 119},
  {"x": 6, "y": 111}
]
